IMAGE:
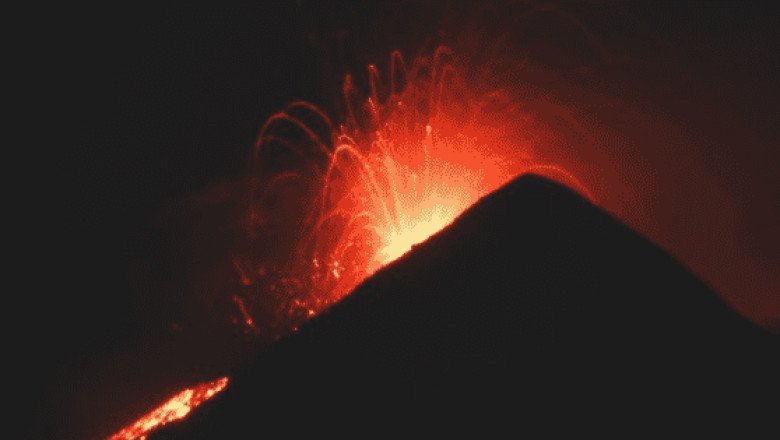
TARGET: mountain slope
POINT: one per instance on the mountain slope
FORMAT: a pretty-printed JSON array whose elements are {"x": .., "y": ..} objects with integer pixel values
[{"x": 533, "y": 305}]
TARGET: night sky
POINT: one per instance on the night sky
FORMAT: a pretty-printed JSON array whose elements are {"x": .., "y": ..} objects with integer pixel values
[{"x": 164, "y": 104}]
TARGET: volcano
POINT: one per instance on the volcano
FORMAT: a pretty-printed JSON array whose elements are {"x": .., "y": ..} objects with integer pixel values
[{"x": 533, "y": 306}]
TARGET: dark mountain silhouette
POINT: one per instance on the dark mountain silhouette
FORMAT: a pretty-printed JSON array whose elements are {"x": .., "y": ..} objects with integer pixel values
[{"x": 534, "y": 308}]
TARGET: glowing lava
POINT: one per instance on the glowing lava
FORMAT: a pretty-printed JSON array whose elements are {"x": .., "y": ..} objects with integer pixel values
[
  {"x": 404, "y": 190},
  {"x": 329, "y": 204},
  {"x": 176, "y": 408}
]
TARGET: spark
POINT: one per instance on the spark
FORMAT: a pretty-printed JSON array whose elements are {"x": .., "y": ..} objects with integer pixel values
[{"x": 244, "y": 312}]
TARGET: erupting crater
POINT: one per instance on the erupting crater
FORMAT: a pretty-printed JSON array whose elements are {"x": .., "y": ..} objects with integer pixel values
[{"x": 331, "y": 203}]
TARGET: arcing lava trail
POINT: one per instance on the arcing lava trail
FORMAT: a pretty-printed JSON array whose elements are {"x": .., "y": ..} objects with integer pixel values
[{"x": 330, "y": 204}]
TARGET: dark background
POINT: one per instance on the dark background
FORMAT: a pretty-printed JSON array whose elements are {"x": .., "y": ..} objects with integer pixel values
[{"x": 157, "y": 105}]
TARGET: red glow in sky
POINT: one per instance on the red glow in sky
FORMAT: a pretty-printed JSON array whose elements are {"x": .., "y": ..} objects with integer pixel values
[
  {"x": 342, "y": 201},
  {"x": 331, "y": 203}
]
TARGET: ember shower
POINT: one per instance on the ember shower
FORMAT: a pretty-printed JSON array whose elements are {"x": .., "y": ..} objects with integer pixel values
[
  {"x": 329, "y": 202},
  {"x": 332, "y": 201}
]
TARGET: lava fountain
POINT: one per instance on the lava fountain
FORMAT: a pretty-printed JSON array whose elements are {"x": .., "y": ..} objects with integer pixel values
[
  {"x": 173, "y": 410},
  {"x": 329, "y": 204}
]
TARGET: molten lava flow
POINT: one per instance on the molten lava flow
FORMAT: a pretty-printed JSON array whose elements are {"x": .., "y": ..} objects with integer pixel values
[{"x": 176, "y": 408}]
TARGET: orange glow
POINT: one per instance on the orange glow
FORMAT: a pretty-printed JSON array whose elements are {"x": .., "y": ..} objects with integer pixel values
[
  {"x": 174, "y": 409},
  {"x": 421, "y": 201},
  {"x": 404, "y": 189},
  {"x": 330, "y": 204}
]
